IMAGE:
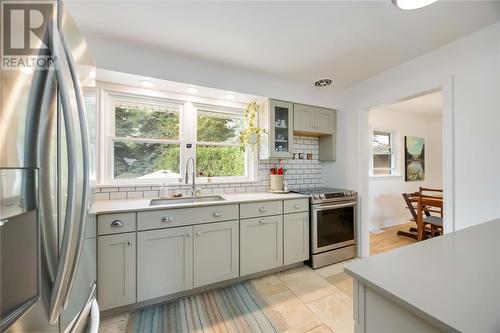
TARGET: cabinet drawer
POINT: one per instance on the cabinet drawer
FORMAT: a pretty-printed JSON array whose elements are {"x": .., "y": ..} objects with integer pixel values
[
  {"x": 115, "y": 223},
  {"x": 168, "y": 218},
  {"x": 257, "y": 209},
  {"x": 296, "y": 206}
]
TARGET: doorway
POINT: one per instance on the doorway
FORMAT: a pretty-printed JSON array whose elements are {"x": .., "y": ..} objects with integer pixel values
[{"x": 405, "y": 154}]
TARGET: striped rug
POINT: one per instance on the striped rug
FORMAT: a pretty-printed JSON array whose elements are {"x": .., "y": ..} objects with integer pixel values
[{"x": 237, "y": 308}]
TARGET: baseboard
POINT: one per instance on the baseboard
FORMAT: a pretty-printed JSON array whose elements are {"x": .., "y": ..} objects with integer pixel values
[{"x": 389, "y": 223}]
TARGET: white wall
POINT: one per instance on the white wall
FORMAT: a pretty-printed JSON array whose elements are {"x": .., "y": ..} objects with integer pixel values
[
  {"x": 156, "y": 63},
  {"x": 386, "y": 205},
  {"x": 472, "y": 64}
]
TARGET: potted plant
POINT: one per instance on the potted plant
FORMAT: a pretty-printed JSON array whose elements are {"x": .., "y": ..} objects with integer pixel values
[{"x": 251, "y": 134}]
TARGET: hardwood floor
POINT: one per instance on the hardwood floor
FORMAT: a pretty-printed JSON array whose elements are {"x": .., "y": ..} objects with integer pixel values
[{"x": 388, "y": 239}]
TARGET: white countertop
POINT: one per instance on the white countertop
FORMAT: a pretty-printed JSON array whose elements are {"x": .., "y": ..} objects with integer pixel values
[
  {"x": 452, "y": 281},
  {"x": 120, "y": 206}
]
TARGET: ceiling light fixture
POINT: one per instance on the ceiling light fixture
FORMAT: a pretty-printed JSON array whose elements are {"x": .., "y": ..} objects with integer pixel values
[
  {"x": 323, "y": 82},
  {"x": 230, "y": 97},
  {"x": 147, "y": 84},
  {"x": 192, "y": 90},
  {"x": 412, "y": 4}
]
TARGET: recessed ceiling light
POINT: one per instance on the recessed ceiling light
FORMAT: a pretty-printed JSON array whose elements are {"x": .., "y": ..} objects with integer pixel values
[
  {"x": 323, "y": 82},
  {"x": 192, "y": 90},
  {"x": 412, "y": 4},
  {"x": 147, "y": 84},
  {"x": 230, "y": 97}
]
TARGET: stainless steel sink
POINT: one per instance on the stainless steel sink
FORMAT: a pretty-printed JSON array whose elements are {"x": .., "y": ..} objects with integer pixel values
[{"x": 177, "y": 201}]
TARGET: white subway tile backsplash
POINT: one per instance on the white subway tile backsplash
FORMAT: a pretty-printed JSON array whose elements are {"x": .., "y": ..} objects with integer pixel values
[
  {"x": 298, "y": 173},
  {"x": 102, "y": 196},
  {"x": 135, "y": 195},
  {"x": 109, "y": 189},
  {"x": 151, "y": 194},
  {"x": 117, "y": 195}
]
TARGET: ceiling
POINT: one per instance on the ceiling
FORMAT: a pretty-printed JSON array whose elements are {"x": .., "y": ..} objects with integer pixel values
[
  {"x": 426, "y": 105},
  {"x": 301, "y": 41}
]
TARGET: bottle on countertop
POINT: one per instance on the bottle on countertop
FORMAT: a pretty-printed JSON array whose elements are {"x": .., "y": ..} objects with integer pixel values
[{"x": 164, "y": 191}]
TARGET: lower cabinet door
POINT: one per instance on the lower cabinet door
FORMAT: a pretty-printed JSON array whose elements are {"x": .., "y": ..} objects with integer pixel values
[
  {"x": 295, "y": 237},
  {"x": 164, "y": 262},
  {"x": 216, "y": 252},
  {"x": 261, "y": 244},
  {"x": 116, "y": 270}
]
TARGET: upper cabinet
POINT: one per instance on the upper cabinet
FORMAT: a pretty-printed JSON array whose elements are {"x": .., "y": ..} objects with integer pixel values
[
  {"x": 314, "y": 120},
  {"x": 282, "y": 120},
  {"x": 277, "y": 118}
]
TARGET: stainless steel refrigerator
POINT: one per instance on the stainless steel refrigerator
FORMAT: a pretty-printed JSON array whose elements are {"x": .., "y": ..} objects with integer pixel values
[{"x": 47, "y": 229}]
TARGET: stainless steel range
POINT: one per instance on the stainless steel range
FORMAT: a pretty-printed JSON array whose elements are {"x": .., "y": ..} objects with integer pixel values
[{"x": 333, "y": 225}]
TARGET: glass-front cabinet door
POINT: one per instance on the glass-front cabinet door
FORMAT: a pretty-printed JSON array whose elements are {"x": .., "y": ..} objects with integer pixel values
[{"x": 281, "y": 125}]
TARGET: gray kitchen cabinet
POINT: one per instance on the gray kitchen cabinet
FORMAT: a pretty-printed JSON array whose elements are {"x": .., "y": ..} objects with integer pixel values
[
  {"x": 116, "y": 266},
  {"x": 164, "y": 262},
  {"x": 216, "y": 252},
  {"x": 276, "y": 117},
  {"x": 303, "y": 118},
  {"x": 321, "y": 122},
  {"x": 314, "y": 120},
  {"x": 325, "y": 120},
  {"x": 295, "y": 238},
  {"x": 261, "y": 244}
]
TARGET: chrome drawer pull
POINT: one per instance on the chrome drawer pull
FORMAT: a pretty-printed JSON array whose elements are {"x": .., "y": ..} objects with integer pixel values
[
  {"x": 262, "y": 210},
  {"x": 296, "y": 206},
  {"x": 262, "y": 221},
  {"x": 198, "y": 234},
  {"x": 167, "y": 219},
  {"x": 188, "y": 235},
  {"x": 129, "y": 243},
  {"x": 116, "y": 224},
  {"x": 217, "y": 214}
]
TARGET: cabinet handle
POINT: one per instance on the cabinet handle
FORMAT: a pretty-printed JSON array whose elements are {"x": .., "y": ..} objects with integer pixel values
[
  {"x": 188, "y": 235},
  {"x": 262, "y": 209},
  {"x": 262, "y": 221},
  {"x": 116, "y": 224},
  {"x": 3, "y": 222},
  {"x": 198, "y": 234},
  {"x": 166, "y": 219},
  {"x": 296, "y": 206},
  {"x": 129, "y": 243},
  {"x": 217, "y": 214}
]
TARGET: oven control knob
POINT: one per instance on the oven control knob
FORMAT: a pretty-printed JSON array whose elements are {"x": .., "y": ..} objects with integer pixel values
[
  {"x": 315, "y": 197},
  {"x": 322, "y": 196}
]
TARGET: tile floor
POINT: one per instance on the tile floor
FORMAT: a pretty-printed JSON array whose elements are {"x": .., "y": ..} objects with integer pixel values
[{"x": 313, "y": 301}]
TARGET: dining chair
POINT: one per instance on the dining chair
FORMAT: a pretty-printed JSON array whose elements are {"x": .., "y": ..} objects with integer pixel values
[
  {"x": 433, "y": 199},
  {"x": 432, "y": 224}
]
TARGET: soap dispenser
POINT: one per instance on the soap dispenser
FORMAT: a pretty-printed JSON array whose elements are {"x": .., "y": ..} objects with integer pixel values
[{"x": 163, "y": 191}]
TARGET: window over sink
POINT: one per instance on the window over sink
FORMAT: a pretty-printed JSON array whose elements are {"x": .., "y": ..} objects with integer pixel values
[{"x": 148, "y": 139}]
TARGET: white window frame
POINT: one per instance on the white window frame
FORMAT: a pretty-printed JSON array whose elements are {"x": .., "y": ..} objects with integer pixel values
[
  {"x": 250, "y": 166},
  {"x": 394, "y": 171},
  {"x": 108, "y": 93}
]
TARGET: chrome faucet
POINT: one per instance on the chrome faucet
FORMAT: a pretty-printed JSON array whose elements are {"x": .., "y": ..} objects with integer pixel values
[{"x": 194, "y": 191}]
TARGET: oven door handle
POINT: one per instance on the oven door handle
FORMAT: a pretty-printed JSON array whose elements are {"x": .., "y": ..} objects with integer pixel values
[{"x": 335, "y": 206}]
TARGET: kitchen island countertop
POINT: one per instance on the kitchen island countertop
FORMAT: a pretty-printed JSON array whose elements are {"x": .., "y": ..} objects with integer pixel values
[{"x": 452, "y": 281}]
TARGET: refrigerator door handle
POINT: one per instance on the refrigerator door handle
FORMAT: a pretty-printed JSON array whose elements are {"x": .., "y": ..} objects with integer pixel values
[
  {"x": 72, "y": 220},
  {"x": 84, "y": 206}
]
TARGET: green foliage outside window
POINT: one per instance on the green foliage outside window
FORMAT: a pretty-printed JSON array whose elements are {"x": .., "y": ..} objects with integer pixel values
[{"x": 162, "y": 160}]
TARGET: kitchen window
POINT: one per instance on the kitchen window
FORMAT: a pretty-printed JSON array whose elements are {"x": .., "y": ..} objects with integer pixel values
[
  {"x": 149, "y": 139},
  {"x": 146, "y": 142},
  {"x": 383, "y": 159}
]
